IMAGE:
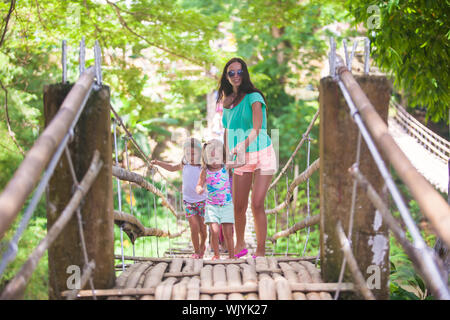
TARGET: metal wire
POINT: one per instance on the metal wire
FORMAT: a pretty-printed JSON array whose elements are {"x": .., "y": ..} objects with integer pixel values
[
  {"x": 308, "y": 207},
  {"x": 287, "y": 218},
  {"x": 119, "y": 194},
  {"x": 125, "y": 139},
  {"x": 351, "y": 218},
  {"x": 80, "y": 221}
]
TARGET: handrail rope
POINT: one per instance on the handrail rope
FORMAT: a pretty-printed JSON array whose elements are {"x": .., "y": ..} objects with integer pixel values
[
  {"x": 302, "y": 140},
  {"x": 343, "y": 74},
  {"x": 11, "y": 252},
  {"x": 418, "y": 135},
  {"x": 302, "y": 177},
  {"x": 136, "y": 178},
  {"x": 46, "y": 147},
  {"x": 119, "y": 194},
  {"x": 313, "y": 220},
  {"x": 287, "y": 217},
  {"x": 434, "y": 207},
  {"x": 129, "y": 183},
  {"x": 424, "y": 138},
  {"x": 145, "y": 158},
  {"x": 80, "y": 222},
  {"x": 308, "y": 209},
  {"x": 353, "y": 265},
  {"x": 140, "y": 230},
  {"x": 351, "y": 216},
  {"x": 16, "y": 287},
  {"x": 419, "y": 125}
]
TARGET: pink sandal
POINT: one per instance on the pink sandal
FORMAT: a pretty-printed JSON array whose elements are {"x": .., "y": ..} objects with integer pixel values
[
  {"x": 242, "y": 253},
  {"x": 215, "y": 258},
  {"x": 195, "y": 256}
]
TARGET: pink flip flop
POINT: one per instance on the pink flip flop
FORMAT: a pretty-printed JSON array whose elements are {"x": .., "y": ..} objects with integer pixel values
[{"x": 242, "y": 253}]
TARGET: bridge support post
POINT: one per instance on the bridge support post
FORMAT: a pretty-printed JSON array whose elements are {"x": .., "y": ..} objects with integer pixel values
[
  {"x": 65, "y": 256},
  {"x": 338, "y": 144}
]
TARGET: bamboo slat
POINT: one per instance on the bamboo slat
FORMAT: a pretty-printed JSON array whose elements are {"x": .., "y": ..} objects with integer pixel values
[
  {"x": 266, "y": 287},
  {"x": 219, "y": 281},
  {"x": 175, "y": 266},
  {"x": 304, "y": 277},
  {"x": 234, "y": 280},
  {"x": 180, "y": 289},
  {"x": 153, "y": 278},
  {"x": 206, "y": 280},
  {"x": 291, "y": 276},
  {"x": 315, "y": 275},
  {"x": 193, "y": 289},
  {"x": 164, "y": 289},
  {"x": 135, "y": 275},
  {"x": 284, "y": 291},
  {"x": 189, "y": 265}
]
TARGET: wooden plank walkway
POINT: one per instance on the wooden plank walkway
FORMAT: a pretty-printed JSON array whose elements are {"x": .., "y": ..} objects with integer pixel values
[{"x": 269, "y": 278}]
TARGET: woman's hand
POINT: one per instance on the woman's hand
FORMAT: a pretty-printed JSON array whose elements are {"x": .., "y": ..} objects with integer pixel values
[
  {"x": 154, "y": 162},
  {"x": 199, "y": 189},
  {"x": 239, "y": 150}
]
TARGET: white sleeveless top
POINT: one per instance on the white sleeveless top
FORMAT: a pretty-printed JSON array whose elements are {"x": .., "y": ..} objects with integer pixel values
[{"x": 190, "y": 179}]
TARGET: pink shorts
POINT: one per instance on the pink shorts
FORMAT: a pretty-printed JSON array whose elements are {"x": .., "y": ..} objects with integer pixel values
[{"x": 265, "y": 160}]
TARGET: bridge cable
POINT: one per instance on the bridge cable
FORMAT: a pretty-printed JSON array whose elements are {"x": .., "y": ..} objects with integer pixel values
[
  {"x": 80, "y": 221},
  {"x": 351, "y": 217},
  {"x": 308, "y": 209},
  {"x": 119, "y": 195}
]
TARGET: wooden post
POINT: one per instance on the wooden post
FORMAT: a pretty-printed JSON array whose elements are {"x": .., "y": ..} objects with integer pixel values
[
  {"x": 338, "y": 138},
  {"x": 92, "y": 132}
]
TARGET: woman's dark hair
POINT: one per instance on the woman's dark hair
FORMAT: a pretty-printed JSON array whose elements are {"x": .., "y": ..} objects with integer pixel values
[{"x": 225, "y": 87}]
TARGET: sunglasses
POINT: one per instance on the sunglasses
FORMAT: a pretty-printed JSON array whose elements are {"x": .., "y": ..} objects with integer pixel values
[{"x": 232, "y": 73}]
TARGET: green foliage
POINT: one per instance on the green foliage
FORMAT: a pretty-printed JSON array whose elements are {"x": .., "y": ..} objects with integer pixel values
[
  {"x": 38, "y": 284},
  {"x": 412, "y": 41}
]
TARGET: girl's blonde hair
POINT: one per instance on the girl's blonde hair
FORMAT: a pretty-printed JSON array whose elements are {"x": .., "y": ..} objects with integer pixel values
[
  {"x": 204, "y": 155},
  {"x": 190, "y": 143}
]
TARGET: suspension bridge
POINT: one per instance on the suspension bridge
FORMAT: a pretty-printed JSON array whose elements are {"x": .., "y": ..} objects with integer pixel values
[{"x": 73, "y": 160}]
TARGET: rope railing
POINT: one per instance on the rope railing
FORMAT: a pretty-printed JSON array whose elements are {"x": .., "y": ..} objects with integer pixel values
[
  {"x": 430, "y": 140},
  {"x": 46, "y": 153},
  {"x": 431, "y": 203},
  {"x": 47, "y": 149},
  {"x": 136, "y": 228},
  {"x": 301, "y": 178}
]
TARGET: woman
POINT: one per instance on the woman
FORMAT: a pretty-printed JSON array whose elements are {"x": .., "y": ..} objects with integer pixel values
[{"x": 245, "y": 122}]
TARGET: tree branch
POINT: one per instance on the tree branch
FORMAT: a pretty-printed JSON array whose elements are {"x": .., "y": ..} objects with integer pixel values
[
  {"x": 8, "y": 122},
  {"x": 125, "y": 25},
  {"x": 11, "y": 9}
]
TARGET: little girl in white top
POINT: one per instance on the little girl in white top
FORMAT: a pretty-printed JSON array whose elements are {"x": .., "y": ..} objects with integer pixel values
[{"x": 194, "y": 203}]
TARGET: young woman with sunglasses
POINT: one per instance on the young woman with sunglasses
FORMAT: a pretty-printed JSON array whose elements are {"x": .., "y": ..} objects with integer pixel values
[{"x": 245, "y": 137}]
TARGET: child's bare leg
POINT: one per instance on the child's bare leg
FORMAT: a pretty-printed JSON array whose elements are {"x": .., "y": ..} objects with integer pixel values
[
  {"x": 203, "y": 234},
  {"x": 228, "y": 235},
  {"x": 195, "y": 228},
  {"x": 214, "y": 229}
]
